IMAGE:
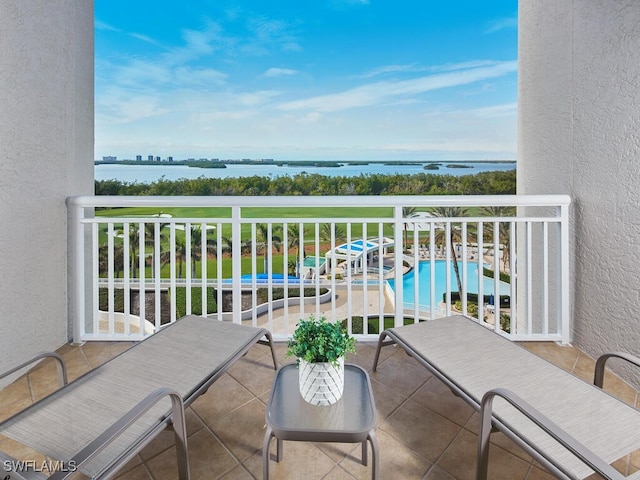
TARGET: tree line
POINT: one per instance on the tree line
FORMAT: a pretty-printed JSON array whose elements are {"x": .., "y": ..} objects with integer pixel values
[{"x": 484, "y": 183}]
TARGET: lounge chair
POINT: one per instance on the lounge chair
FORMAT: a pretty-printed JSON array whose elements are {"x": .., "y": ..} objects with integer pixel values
[
  {"x": 101, "y": 420},
  {"x": 570, "y": 426}
]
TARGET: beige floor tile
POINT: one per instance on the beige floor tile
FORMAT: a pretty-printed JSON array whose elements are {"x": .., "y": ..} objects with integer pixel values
[
  {"x": 43, "y": 379},
  {"x": 166, "y": 439},
  {"x": 99, "y": 352},
  {"x": 338, "y": 473},
  {"x": 77, "y": 363},
  {"x": 133, "y": 464},
  {"x": 242, "y": 430},
  {"x": 387, "y": 399},
  {"x": 423, "y": 431},
  {"x": 207, "y": 459},
  {"x": 339, "y": 451},
  {"x": 436, "y": 473},
  {"x": 460, "y": 460},
  {"x": 256, "y": 376},
  {"x": 300, "y": 460},
  {"x": 634, "y": 460},
  {"x": 584, "y": 367},
  {"x": 436, "y": 396},
  {"x": 137, "y": 473},
  {"x": 17, "y": 391},
  {"x": 239, "y": 472},
  {"x": 19, "y": 451},
  {"x": 365, "y": 353},
  {"x": 564, "y": 356},
  {"x": 15, "y": 397},
  {"x": 396, "y": 373},
  {"x": 224, "y": 396},
  {"x": 396, "y": 461}
]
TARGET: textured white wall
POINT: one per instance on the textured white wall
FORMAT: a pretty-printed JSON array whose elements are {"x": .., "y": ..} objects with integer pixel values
[
  {"x": 579, "y": 133},
  {"x": 46, "y": 154}
]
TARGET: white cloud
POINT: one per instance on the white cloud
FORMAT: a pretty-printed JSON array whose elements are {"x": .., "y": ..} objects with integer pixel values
[
  {"x": 145, "y": 38},
  {"x": 197, "y": 77},
  {"x": 119, "y": 106},
  {"x": 502, "y": 23},
  {"x": 99, "y": 25},
  {"x": 279, "y": 72},
  {"x": 393, "y": 69},
  {"x": 383, "y": 92}
]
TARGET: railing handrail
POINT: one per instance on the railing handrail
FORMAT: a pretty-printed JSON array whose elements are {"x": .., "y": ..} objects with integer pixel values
[{"x": 312, "y": 201}]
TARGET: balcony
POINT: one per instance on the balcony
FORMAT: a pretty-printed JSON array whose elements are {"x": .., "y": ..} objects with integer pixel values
[
  {"x": 424, "y": 431},
  {"x": 269, "y": 261}
]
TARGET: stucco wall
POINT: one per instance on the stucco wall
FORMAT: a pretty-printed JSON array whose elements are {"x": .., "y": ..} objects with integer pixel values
[
  {"x": 46, "y": 154},
  {"x": 579, "y": 133}
]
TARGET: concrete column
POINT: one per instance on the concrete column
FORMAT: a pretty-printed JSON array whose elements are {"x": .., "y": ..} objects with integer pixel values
[
  {"x": 579, "y": 133},
  {"x": 46, "y": 154}
]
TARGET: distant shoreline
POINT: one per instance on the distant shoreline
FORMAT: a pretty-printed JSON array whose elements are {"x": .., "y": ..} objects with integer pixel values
[{"x": 297, "y": 163}]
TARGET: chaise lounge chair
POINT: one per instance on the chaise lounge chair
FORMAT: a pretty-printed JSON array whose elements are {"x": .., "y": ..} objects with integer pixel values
[
  {"x": 570, "y": 426},
  {"x": 101, "y": 420}
]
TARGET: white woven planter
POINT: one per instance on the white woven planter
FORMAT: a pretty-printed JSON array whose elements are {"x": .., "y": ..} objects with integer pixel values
[{"x": 321, "y": 383}]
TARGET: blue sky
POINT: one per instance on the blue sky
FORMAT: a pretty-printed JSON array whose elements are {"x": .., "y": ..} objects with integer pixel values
[{"x": 306, "y": 79}]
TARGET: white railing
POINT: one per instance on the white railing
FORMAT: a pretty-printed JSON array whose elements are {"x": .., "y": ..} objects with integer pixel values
[{"x": 396, "y": 261}]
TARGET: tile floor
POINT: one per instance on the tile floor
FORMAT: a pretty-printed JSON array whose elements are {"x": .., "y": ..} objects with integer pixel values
[{"x": 424, "y": 431}]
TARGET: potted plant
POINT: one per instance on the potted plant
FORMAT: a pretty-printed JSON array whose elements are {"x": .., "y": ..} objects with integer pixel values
[{"x": 320, "y": 347}]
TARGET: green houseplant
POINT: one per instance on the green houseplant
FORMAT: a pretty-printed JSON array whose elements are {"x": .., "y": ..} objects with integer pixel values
[{"x": 320, "y": 347}]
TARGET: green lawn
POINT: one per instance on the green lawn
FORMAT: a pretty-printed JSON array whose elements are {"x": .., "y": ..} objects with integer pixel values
[{"x": 258, "y": 212}]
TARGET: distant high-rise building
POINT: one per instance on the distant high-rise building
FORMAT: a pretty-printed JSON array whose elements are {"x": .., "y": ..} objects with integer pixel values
[
  {"x": 109, "y": 159},
  {"x": 150, "y": 158},
  {"x": 158, "y": 159},
  {"x": 169, "y": 159},
  {"x": 138, "y": 158}
]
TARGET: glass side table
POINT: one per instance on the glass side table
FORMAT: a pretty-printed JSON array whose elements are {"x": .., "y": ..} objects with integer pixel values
[{"x": 350, "y": 420}]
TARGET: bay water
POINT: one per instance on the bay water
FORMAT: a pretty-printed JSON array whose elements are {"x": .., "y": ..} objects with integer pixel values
[{"x": 152, "y": 173}]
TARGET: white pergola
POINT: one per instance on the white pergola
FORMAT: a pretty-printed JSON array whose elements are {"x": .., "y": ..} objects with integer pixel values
[{"x": 359, "y": 252}]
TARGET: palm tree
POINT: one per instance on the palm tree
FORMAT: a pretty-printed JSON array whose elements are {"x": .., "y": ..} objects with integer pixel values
[
  {"x": 210, "y": 249},
  {"x": 504, "y": 230},
  {"x": 181, "y": 255},
  {"x": 454, "y": 235},
  {"x": 103, "y": 259},
  {"x": 407, "y": 211},
  {"x": 337, "y": 230},
  {"x": 262, "y": 235},
  {"x": 149, "y": 243},
  {"x": 294, "y": 240}
]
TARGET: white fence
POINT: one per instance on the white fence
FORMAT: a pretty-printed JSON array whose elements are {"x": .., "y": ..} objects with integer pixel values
[{"x": 389, "y": 260}]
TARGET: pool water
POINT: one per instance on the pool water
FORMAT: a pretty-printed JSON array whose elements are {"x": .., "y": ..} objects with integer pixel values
[{"x": 424, "y": 282}]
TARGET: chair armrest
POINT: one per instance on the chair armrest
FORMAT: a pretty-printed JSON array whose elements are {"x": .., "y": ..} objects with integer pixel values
[
  {"x": 598, "y": 377},
  {"x": 70, "y": 467},
  {"x": 570, "y": 443},
  {"x": 62, "y": 366}
]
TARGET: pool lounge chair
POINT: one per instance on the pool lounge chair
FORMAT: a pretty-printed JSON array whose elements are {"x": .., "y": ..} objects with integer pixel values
[
  {"x": 101, "y": 420},
  {"x": 570, "y": 426}
]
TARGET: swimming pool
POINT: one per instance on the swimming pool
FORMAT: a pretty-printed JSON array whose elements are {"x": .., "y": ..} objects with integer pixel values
[
  {"x": 424, "y": 282},
  {"x": 264, "y": 278}
]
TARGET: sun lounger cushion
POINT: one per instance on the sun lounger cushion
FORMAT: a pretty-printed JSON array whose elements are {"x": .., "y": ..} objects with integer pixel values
[
  {"x": 186, "y": 356},
  {"x": 473, "y": 359}
]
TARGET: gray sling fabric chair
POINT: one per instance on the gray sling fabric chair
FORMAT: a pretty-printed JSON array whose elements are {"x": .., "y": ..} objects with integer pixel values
[
  {"x": 572, "y": 427},
  {"x": 98, "y": 422}
]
